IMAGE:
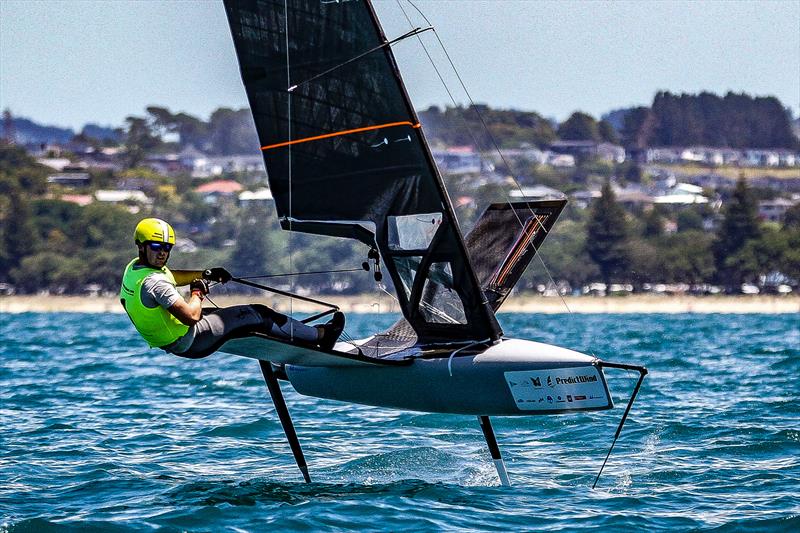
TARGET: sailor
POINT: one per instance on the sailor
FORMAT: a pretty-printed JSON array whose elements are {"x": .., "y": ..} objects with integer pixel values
[{"x": 182, "y": 326}]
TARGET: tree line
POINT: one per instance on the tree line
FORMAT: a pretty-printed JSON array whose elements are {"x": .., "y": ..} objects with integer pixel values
[
  {"x": 735, "y": 120},
  {"x": 50, "y": 244}
]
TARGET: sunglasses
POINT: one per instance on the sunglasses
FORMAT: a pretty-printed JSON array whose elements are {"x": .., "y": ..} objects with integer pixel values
[{"x": 158, "y": 246}]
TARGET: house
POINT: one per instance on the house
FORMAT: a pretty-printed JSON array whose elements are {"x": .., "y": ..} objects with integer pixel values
[
  {"x": 201, "y": 166},
  {"x": 214, "y": 191},
  {"x": 261, "y": 197},
  {"x": 537, "y": 192},
  {"x": 70, "y": 179},
  {"x": 632, "y": 196},
  {"x": 126, "y": 197},
  {"x": 761, "y": 158},
  {"x": 56, "y": 163},
  {"x": 560, "y": 160},
  {"x": 664, "y": 154},
  {"x": 166, "y": 164},
  {"x": 680, "y": 199},
  {"x": 458, "y": 160},
  {"x": 528, "y": 154},
  {"x": 774, "y": 210},
  {"x": 590, "y": 150},
  {"x": 80, "y": 199},
  {"x": 693, "y": 155},
  {"x": 723, "y": 156},
  {"x": 582, "y": 199},
  {"x": 682, "y": 194}
]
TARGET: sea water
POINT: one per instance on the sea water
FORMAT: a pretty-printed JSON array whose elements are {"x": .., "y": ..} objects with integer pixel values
[{"x": 99, "y": 434}]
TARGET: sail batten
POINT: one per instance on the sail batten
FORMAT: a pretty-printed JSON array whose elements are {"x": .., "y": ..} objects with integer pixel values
[
  {"x": 345, "y": 132},
  {"x": 351, "y": 155}
]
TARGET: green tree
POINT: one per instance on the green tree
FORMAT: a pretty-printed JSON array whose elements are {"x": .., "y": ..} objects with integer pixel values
[
  {"x": 686, "y": 257},
  {"x": 607, "y": 132},
  {"x": 689, "y": 219},
  {"x": 18, "y": 237},
  {"x": 232, "y": 131},
  {"x": 789, "y": 261},
  {"x": 607, "y": 241},
  {"x": 645, "y": 263},
  {"x": 53, "y": 271},
  {"x": 140, "y": 140},
  {"x": 191, "y": 130},
  {"x": 638, "y": 128},
  {"x": 633, "y": 173},
  {"x": 579, "y": 127},
  {"x": 253, "y": 251},
  {"x": 791, "y": 219},
  {"x": 54, "y": 217},
  {"x": 653, "y": 223},
  {"x": 20, "y": 171},
  {"x": 739, "y": 225},
  {"x": 107, "y": 227}
]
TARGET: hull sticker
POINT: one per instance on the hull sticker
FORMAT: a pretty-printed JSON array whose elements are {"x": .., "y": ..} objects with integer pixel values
[{"x": 558, "y": 389}]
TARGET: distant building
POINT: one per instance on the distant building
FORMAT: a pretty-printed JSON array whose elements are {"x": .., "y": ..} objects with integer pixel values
[
  {"x": 213, "y": 191},
  {"x": 632, "y": 196},
  {"x": 201, "y": 165},
  {"x": 682, "y": 194},
  {"x": 165, "y": 164},
  {"x": 774, "y": 210},
  {"x": 537, "y": 192},
  {"x": 560, "y": 160},
  {"x": 56, "y": 163},
  {"x": 70, "y": 179},
  {"x": 590, "y": 150},
  {"x": 716, "y": 156},
  {"x": 680, "y": 199},
  {"x": 459, "y": 160},
  {"x": 80, "y": 199},
  {"x": 520, "y": 154},
  {"x": 261, "y": 197},
  {"x": 582, "y": 199},
  {"x": 132, "y": 199}
]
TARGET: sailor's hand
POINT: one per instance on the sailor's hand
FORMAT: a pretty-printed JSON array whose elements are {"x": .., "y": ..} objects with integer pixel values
[
  {"x": 199, "y": 285},
  {"x": 218, "y": 274}
]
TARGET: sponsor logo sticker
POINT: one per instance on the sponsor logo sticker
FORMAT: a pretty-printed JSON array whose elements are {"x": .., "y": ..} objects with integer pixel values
[{"x": 571, "y": 388}]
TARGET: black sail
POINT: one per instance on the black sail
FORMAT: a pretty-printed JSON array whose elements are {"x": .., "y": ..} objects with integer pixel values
[{"x": 345, "y": 154}]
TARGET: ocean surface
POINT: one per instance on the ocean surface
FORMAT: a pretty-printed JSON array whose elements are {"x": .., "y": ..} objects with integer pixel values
[{"x": 99, "y": 434}]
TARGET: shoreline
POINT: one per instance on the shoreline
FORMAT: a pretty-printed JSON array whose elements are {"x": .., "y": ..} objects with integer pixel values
[{"x": 644, "y": 303}]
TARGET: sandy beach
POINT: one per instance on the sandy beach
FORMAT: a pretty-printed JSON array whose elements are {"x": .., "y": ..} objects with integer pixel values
[{"x": 518, "y": 304}]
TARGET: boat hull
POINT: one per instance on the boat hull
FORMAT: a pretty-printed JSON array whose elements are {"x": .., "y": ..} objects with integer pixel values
[{"x": 511, "y": 378}]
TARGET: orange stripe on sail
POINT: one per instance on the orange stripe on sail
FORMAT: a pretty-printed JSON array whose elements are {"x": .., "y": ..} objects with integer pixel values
[{"x": 338, "y": 133}]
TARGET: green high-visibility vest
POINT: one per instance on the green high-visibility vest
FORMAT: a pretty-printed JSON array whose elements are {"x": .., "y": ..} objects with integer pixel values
[{"x": 155, "y": 324}]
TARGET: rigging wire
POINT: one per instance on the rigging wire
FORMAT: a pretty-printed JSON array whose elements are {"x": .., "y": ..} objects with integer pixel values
[
  {"x": 485, "y": 127},
  {"x": 289, "y": 159}
]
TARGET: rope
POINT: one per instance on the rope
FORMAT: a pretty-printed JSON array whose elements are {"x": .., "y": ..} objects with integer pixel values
[{"x": 264, "y": 276}]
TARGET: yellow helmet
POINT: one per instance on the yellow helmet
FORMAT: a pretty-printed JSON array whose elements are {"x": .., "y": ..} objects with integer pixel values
[{"x": 153, "y": 230}]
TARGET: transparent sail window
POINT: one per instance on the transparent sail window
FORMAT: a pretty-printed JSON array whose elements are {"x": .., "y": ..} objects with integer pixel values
[
  {"x": 407, "y": 268},
  {"x": 440, "y": 303},
  {"x": 413, "y": 232}
]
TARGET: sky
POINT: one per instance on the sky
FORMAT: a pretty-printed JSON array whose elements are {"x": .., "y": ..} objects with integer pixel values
[{"x": 68, "y": 63}]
